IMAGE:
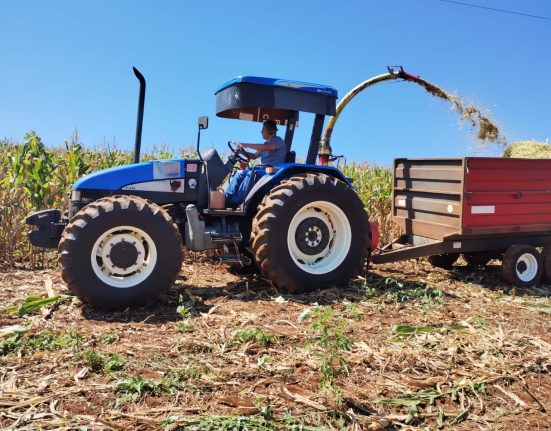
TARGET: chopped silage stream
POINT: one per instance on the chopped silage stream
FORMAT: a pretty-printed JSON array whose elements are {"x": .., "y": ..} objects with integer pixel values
[
  {"x": 487, "y": 130},
  {"x": 406, "y": 348}
]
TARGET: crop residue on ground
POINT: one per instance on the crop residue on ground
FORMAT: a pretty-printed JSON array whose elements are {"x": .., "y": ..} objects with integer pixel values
[{"x": 406, "y": 347}]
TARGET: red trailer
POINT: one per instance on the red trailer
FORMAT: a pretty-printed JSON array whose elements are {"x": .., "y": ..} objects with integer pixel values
[{"x": 480, "y": 207}]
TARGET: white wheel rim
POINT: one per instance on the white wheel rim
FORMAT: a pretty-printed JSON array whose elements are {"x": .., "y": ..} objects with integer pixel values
[
  {"x": 327, "y": 258},
  {"x": 138, "y": 271},
  {"x": 526, "y": 267}
]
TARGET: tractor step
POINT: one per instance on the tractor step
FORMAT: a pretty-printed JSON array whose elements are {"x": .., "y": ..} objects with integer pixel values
[
  {"x": 234, "y": 258},
  {"x": 226, "y": 237},
  {"x": 224, "y": 212}
]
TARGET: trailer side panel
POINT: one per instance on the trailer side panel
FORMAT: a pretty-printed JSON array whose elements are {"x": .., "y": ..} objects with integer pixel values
[
  {"x": 506, "y": 195},
  {"x": 427, "y": 196}
]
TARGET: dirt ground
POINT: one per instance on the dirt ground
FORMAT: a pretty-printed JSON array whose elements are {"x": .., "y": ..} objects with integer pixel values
[{"x": 407, "y": 346}]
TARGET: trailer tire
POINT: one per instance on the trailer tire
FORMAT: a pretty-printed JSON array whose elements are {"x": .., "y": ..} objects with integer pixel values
[
  {"x": 522, "y": 266},
  {"x": 310, "y": 232},
  {"x": 546, "y": 258},
  {"x": 120, "y": 252},
  {"x": 444, "y": 261}
]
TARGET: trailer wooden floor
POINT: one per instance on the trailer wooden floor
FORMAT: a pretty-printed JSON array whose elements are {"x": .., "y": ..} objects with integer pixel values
[{"x": 429, "y": 347}]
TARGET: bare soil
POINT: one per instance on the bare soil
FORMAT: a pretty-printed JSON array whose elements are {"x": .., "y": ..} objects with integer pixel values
[{"x": 471, "y": 353}]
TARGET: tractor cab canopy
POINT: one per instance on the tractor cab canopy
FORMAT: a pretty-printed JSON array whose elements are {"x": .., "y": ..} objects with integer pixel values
[{"x": 255, "y": 98}]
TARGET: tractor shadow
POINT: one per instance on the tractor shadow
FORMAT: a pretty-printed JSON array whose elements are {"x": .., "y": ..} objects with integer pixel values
[
  {"x": 392, "y": 286},
  {"x": 187, "y": 296}
]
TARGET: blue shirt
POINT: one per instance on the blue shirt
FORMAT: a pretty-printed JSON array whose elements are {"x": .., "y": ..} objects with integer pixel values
[{"x": 275, "y": 156}]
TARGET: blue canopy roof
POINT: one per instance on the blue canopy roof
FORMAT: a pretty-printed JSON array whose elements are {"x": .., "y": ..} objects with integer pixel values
[
  {"x": 275, "y": 82},
  {"x": 255, "y": 98}
]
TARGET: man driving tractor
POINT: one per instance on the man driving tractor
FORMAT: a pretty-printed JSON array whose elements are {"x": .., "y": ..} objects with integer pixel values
[{"x": 271, "y": 152}]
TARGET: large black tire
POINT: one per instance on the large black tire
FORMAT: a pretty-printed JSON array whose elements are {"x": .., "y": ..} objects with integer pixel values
[
  {"x": 310, "y": 232},
  {"x": 522, "y": 266},
  {"x": 119, "y": 252},
  {"x": 444, "y": 261},
  {"x": 546, "y": 258}
]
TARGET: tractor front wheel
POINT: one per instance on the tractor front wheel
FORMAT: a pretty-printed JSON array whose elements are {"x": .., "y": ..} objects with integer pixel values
[
  {"x": 120, "y": 252},
  {"x": 311, "y": 232}
]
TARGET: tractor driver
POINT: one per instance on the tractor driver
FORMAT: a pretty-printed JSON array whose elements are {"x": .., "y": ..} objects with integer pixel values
[{"x": 271, "y": 152}]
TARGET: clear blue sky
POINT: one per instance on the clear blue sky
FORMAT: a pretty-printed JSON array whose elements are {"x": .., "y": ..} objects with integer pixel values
[{"x": 67, "y": 65}]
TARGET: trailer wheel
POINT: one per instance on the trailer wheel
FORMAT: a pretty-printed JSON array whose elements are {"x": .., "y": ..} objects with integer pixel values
[
  {"x": 119, "y": 252},
  {"x": 310, "y": 232},
  {"x": 522, "y": 265},
  {"x": 546, "y": 258},
  {"x": 444, "y": 261}
]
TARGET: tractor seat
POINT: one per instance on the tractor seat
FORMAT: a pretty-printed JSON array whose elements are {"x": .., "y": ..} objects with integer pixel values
[{"x": 290, "y": 157}]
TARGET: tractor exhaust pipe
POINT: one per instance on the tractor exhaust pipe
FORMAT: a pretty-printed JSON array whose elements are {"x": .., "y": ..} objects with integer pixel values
[{"x": 139, "y": 124}]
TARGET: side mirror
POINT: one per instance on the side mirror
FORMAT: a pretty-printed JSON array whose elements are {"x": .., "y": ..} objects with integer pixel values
[{"x": 203, "y": 122}]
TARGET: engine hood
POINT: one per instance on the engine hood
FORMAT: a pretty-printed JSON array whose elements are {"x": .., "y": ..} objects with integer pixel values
[{"x": 118, "y": 177}]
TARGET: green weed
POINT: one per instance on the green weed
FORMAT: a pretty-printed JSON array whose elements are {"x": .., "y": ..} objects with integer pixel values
[
  {"x": 11, "y": 344},
  {"x": 100, "y": 362},
  {"x": 135, "y": 387},
  {"x": 177, "y": 379},
  {"x": 41, "y": 342},
  {"x": 402, "y": 333},
  {"x": 353, "y": 311},
  {"x": 399, "y": 293},
  {"x": 262, "y": 422},
  {"x": 182, "y": 311},
  {"x": 184, "y": 326},
  {"x": 331, "y": 343},
  {"x": 48, "y": 341},
  {"x": 539, "y": 307},
  {"x": 264, "y": 361},
  {"x": 109, "y": 338},
  {"x": 33, "y": 303},
  {"x": 412, "y": 400},
  {"x": 255, "y": 335}
]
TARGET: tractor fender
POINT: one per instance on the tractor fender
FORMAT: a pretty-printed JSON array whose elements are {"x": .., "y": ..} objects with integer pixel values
[{"x": 268, "y": 182}]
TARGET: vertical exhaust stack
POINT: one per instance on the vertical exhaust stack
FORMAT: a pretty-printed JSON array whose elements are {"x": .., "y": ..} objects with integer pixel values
[{"x": 139, "y": 123}]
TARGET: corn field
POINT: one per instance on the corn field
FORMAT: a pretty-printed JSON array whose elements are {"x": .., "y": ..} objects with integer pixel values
[{"x": 34, "y": 177}]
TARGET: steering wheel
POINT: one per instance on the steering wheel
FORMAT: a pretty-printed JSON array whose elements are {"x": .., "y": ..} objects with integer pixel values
[{"x": 239, "y": 153}]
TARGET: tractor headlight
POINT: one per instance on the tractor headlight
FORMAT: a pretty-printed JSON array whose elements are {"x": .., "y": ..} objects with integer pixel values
[{"x": 75, "y": 195}]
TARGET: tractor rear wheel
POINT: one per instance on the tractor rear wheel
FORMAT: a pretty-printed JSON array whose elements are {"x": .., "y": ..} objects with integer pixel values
[
  {"x": 522, "y": 266},
  {"x": 119, "y": 252},
  {"x": 310, "y": 232}
]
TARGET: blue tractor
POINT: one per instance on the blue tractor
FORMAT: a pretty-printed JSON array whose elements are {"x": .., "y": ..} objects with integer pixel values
[{"x": 301, "y": 224}]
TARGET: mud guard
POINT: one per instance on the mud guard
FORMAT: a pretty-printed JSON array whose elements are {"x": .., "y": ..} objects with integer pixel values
[{"x": 267, "y": 182}]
